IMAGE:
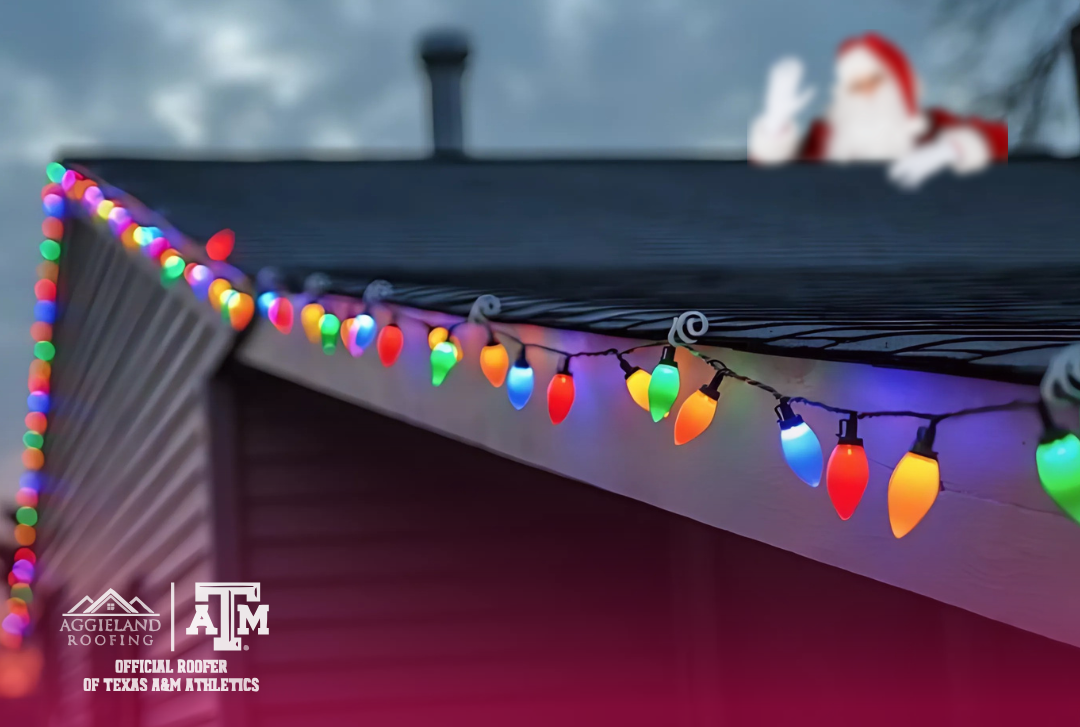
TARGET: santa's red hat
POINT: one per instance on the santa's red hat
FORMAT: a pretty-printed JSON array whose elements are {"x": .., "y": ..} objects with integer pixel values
[{"x": 894, "y": 60}]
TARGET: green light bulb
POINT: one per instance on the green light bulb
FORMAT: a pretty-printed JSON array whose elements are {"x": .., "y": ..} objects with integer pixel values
[
  {"x": 443, "y": 358},
  {"x": 55, "y": 172},
  {"x": 329, "y": 327},
  {"x": 1058, "y": 461},
  {"x": 26, "y": 516},
  {"x": 44, "y": 350},
  {"x": 50, "y": 250},
  {"x": 664, "y": 385},
  {"x": 172, "y": 270},
  {"x": 33, "y": 439}
]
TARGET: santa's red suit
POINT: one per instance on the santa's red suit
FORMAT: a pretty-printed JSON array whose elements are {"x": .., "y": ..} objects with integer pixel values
[{"x": 874, "y": 116}]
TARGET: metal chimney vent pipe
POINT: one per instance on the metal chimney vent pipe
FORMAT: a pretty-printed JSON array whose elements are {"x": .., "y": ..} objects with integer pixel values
[{"x": 444, "y": 53}]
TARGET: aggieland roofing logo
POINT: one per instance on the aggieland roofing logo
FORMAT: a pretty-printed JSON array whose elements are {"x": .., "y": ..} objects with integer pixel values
[{"x": 110, "y": 620}]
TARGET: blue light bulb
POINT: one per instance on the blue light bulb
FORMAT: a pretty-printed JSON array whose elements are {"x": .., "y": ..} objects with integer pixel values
[
  {"x": 801, "y": 447},
  {"x": 519, "y": 381},
  {"x": 265, "y": 300},
  {"x": 38, "y": 401},
  {"x": 45, "y": 311},
  {"x": 365, "y": 329}
]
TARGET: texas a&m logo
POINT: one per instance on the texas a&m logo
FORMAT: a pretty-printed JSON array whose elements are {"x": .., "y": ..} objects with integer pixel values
[{"x": 235, "y": 619}]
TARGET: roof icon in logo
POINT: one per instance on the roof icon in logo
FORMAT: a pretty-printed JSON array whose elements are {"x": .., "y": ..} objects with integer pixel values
[{"x": 110, "y": 605}]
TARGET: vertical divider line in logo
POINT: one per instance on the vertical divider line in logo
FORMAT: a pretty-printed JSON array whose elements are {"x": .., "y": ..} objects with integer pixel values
[{"x": 172, "y": 616}]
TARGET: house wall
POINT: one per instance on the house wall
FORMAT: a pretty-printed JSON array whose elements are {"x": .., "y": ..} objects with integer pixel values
[
  {"x": 128, "y": 502},
  {"x": 993, "y": 544},
  {"x": 416, "y": 580}
]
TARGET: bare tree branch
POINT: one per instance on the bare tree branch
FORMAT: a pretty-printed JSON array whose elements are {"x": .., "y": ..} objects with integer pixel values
[{"x": 1022, "y": 95}]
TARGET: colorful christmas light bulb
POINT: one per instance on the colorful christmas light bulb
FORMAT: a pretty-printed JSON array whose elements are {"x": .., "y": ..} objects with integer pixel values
[
  {"x": 697, "y": 412},
  {"x": 459, "y": 350},
  {"x": 494, "y": 361},
  {"x": 265, "y": 300},
  {"x": 637, "y": 383},
  {"x": 801, "y": 447},
  {"x": 664, "y": 385},
  {"x": 44, "y": 350},
  {"x": 172, "y": 269},
  {"x": 36, "y": 422},
  {"x": 200, "y": 279},
  {"x": 848, "y": 470},
  {"x": 346, "y": 333},
  {"x": 241, "y": 311},
  {"x": 45, "y": 290},
  {"x": 1058, "y": 460},
  {"x": 216, "y": 290},
  {"x": 560, "y": 393},
  {"x": 45, "y": 311},
  {"x": 364, "y": 330},
  {"x": 389, "y": 343},
  {"x": 329, "y": 326},
  {"x": 53, "y": 228},
  {"x": 280, "y": 314},
  {"x": 220, "y": 245},
  {"x": 519, "y": 381},
  {"x": 436, "y": 336},
  {"x": 50, "y": 250},
  {"x": 224, "y": 301},
  {"x": 310, "y": 315},
  {"x": 55, "y": 172},
  {"x": 914, "y": 484},
  {"x": 443, "y": 358}
]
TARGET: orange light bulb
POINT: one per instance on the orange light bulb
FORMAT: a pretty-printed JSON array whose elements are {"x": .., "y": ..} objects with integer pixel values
[
  {"x": 697, "y": 412},
  {"x": 25, "y": 535},
  {"x": 241, "y": 311},
  {"x": 459, "y": 350},
  {"x": 346, "y": 334},
  {"x": 310, "y": 315},
  {"x": 218, "y": 287},
  {"x": 494, "y": 362},
  {"x": 914, "y": 484},
  {"x": 436, "y": 336},
  {"x": 637, "y": 383}
]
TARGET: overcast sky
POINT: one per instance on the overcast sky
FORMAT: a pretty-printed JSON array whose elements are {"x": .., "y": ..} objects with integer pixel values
[{"x": 681, "y": 76}]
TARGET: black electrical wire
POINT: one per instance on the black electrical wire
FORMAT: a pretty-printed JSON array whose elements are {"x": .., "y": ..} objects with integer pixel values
[{"x": 717, "y": 364}]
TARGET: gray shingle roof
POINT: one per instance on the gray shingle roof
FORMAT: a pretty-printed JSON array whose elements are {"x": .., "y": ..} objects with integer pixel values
[{"x": 806, "y": 260}]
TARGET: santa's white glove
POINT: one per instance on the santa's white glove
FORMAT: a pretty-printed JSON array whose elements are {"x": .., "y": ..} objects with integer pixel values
[
  {"x": 784, "y": 97},
  {"x": 774, "y": 137},
  {"x": 911, "y": 171}
]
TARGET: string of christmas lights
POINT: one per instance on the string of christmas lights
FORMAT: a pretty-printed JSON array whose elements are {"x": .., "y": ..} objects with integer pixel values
[
  {"x": 913, "y": 486},
  {"x": 912, "y": 489},
  {"x": 67, "y": 192}
]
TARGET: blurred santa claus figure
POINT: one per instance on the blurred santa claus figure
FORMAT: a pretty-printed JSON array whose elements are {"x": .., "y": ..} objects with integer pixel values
[{"x": 874, "y": 116}]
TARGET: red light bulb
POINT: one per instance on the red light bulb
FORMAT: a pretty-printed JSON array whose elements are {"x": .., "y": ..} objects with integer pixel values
[
  {"x": 220, "y": 245},
  {"x": 280, "y": 313},
  {"x": 848, "y": 471},
  {"x": 45, "y": 290},
  {"x": 389, "y": 344},
  {"x": 560, "y": 394}
]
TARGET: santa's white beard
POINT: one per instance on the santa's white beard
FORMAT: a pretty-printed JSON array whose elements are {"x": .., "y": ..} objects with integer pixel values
[{"x": 874, "y": 128}]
